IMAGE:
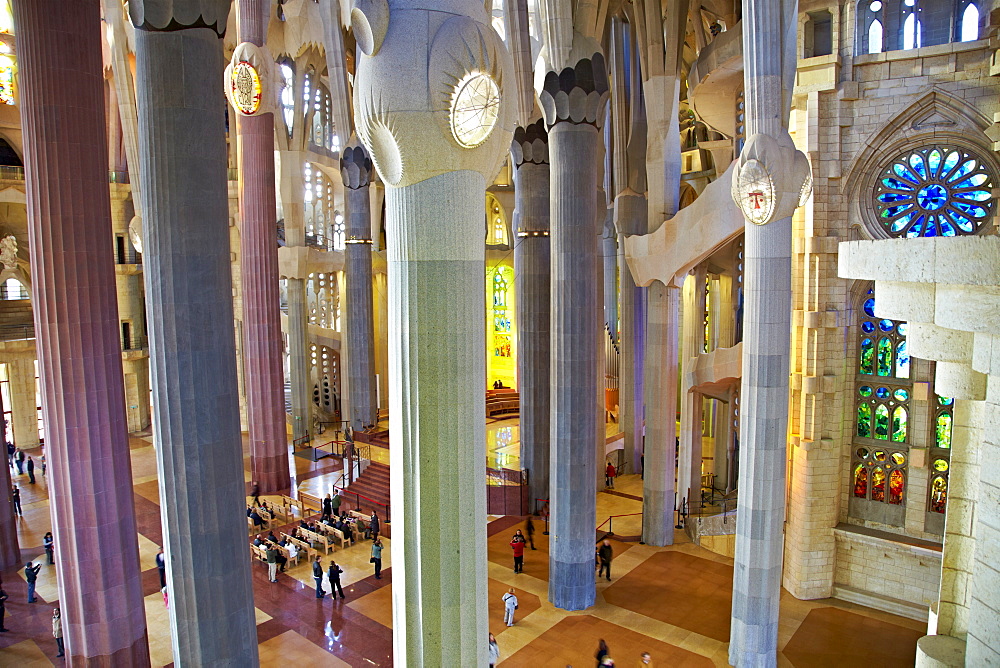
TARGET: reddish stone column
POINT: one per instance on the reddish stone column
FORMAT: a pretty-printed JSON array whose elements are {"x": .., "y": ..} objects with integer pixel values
[
  {"x": 259, "y": 271},
  {"x": 10, "y": 552},
  {"x": 76, "y": 323}
]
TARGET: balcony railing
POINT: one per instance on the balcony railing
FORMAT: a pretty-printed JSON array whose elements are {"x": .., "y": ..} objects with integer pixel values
[
  {"x": 11, "y": 173},
  {"x": 134, "y": 343},
  {"x": 128, "y": 255}
]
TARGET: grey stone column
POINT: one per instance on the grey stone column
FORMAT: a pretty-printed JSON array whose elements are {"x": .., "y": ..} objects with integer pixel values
[
  {"x": 356, "y": 169},
  {"x": 76, "y": 321},
  {"x": 298, "y": 358},
  {"x": 630, "y": 218},
  {"x": 769, "y": 45},
  {"x": 10, "y": 551},
  {"x": 609, "y": 257},
  {"x": 192, "y": 339},
  {"x": 436, "y": 147},
  {"x": 573, "y": 101},
  {"x": 532, "y": 266}
]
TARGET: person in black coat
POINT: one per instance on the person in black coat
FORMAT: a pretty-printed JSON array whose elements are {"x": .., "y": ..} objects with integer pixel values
[
  {"x": 31, "y": 575},
  {"x": 373, "y": 525},
  {"x": 334, "y": 576},
  {"x": 327, "y": 508},
  {"x": 318, "y": 577},
  {"x": 31, "y": 470},
  {"x": 16, "y": 496}
]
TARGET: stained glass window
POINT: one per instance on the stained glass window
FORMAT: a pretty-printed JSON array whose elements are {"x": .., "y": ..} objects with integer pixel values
[
  {"x": 501, "y": 319},
  {"x": 944, "y": 408},
  {"x": 884, "y": 391},
  {"x": 288, "y": 96},
  {"x": 935, "y": 191}
]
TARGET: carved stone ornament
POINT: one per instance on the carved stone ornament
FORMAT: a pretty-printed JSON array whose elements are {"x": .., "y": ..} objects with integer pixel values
[
  {"x": 577, "y": 94},
  {"x": 531, "y": 144},
  {"x": 771, "y": 179},
  {"x": 171, "y": 15},
  {"x": 8, "y": 252},
  {"x": 250, "y": 80},
  {"x": 355, "y": 164},
  {"x": 462, "y": 90}
]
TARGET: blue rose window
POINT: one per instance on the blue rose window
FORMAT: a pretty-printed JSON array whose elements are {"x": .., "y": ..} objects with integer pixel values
[{"x": 935, "y": 191}]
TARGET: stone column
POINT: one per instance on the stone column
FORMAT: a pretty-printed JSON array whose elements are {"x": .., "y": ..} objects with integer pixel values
[
  {"x": 532, "y": 266},
  {"x": 262, "y": 371},
  {"x": 24, "y": 411},
  {"x": 411, "y": 97},
  {"x": 292, "y": 194},
  {"x": 76, "y": 325},
  {"x": 630, "y": 218},
  {"x": 573, "y": 102},
  {"x": 691, "y": 342},
  {"x": 356, "y": 169},
  {"x": 10, "y": 551},
  {"x": 192, "y": 339},
  {"x": 609, "y": 257},
  {"x": 769, "y": 55}
]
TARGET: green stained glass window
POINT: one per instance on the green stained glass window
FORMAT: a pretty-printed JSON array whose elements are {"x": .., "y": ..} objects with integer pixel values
[
  {"x": 864, "y": 420},
  {"x": 899, "y": 425},
  {"x": 881, "y": 422},
  {"x": 884, "y": 357},
  {"x": 867, "y": 357},
  {"x": 942, "y": 431}
]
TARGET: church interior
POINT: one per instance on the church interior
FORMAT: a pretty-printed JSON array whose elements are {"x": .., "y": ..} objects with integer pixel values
[{"x": 674, "y": 317}]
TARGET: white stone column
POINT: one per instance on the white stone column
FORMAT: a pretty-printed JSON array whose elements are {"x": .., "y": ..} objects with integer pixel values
[
  {"x": 24, "y": 409},
  {"x": 436, "y": 146},
  {"x": 689, "y": 438}
]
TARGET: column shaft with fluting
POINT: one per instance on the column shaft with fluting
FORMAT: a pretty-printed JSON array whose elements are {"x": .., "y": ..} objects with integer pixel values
[
  {"x": 263, "y": 373},
  {"x": 192, "y": 339},
  {"x": 573, "y": 150},
  {"x": 766, "y": 344},
  {"x": 532, "y": 266},
  {"x": 437, "y": 416},
  {"x": 356, "y": 169},
  {"x": 10, "y": 551},
  {"x": 76, "y": 325}
]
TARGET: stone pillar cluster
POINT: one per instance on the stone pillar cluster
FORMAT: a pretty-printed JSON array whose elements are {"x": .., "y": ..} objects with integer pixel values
[
  {"x": 263, "y": 373},
  {"x": 532, "y": 266},
  {"x": 192, "y": 340},
  {"x": 76, "y": 325},
  {"x": 356, "y": 170},
  {"x": 573, "y": 102}
]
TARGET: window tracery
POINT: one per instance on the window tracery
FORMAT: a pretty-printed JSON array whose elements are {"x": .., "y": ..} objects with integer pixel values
[
  {"x": 501, "y": 320},
  {"x": 892, "y": 25},
  {"x": 288, "y": 95},
  {"x": 935, "y": 190}
]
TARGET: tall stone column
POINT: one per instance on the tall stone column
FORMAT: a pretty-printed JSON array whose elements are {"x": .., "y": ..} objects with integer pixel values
[
  {"x": 356, "y": 169},
  {"x": 692, "y": 340},
  {"x": 10, "y": 551},
  {"x": 769, "y": 55},
  {"x": 573, "y": 102},
  {"x": 532, "y": 266},
  {"x": 76, "y": 325},
  {"x": 292, "y": 195},
  {"x": 630, "y": 218},
  {"x": 189, "y": 299},
  {"x": 263, "y": 375},
  {"x": 434, "y": 115},
  {"x": 609, "y": 258},
  {"x": 24, "y": 411}
]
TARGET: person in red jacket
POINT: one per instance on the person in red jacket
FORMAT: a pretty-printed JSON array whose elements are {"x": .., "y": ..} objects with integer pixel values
[
  {"x": 517, "y": 544},
  {"x": 609, "y": 475}
]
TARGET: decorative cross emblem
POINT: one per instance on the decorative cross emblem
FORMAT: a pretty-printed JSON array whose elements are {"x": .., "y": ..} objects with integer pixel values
[{"x": 756, "y": 198}]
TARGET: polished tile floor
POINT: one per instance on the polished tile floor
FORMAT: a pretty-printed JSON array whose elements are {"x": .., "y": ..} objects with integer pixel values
[{"x": 672, "y": 602}]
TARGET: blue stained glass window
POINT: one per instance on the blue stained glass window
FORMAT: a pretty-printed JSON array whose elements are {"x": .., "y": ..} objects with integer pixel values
[
  {"x": 882, "y": 393},
  {"x": 868, "y": 327},
  {"x": 870, "y": 307},
  {"x": 933, "y": 191},
  {"x": 886, "y": 325},
  {"x": 902, "y": 361}
]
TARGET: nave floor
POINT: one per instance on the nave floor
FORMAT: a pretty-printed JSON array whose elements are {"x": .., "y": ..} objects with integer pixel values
[{"x": 672, "y": 602}]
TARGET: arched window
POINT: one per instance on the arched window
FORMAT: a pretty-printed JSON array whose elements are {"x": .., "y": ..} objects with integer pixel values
[
  {"x": 911, "y": 29},
  {"x": 501, "y": 319},
  {"x": 12, "y": 289},
  {"x": 339, "y": 231},
  {"x": 882, "y": 419},
  {"x": 288, "y": 94},
  {"x": 496, "y": 222},
  {"x": 875, "y": 35},
  {"x": 969, "y": 25},
  {"x": 938, "y": 190}
]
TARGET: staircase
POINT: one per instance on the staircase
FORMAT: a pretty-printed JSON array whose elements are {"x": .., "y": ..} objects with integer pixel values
[{"x": 374, "y": 484}]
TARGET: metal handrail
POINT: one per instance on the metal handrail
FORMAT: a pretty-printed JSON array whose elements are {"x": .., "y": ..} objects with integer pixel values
[{"x": 611, "y": 524}]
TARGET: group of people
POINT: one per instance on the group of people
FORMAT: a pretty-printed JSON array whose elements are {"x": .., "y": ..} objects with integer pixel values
[
  {"x": 275, "y": 551},
  {"x": 23, "y": 463},
  {"x": 332, "y": 574},
  {"x": 518, "y": 543},
  {"x": 56, "y": 614}
]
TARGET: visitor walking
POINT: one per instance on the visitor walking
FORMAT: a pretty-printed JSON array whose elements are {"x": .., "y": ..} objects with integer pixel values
[
  {"x": 333, "y": 575},
  {"x": 602, "y": 651},
  {"x": 255, "y": 493},
  {"x": 494, "y": 651},
  {"x": 57, "y": 631},
  {"x": 377, "y": 557},
  {"x": 645, "y": 660},
  {"x": 10, "y": 450},
  {"x": 335, "y": 502},
  {"x": 517, "y": 545},
  {"x": 529, "y": 528},
  {"x": 3, "y": 610},
  {"x": 19, "y": 460},
  {"x": 604, "y": 553},
  {"x": 318, "y": 577},
  {"x": 609, "y": 476},
  {"x": 49, "y": 545},
  {"x": 509, "y": 606},
  {"x": 373, "y": 525},
  {"x": 31, "y": 470},
  {"x": 16, "y": 495},
  {"x": 31, "y": 575},
  {"x": 161, "y": 566}
]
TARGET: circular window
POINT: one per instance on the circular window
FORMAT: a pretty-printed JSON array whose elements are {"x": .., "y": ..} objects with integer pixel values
[
  {"x": 865, "y": 390},
  {"x": 474, "y": 109},
  {"x": 879, "y": 456},
  {"x": 862, "y": 453},
  {"x": 882, "y": 393},
  {"x": 934, "y": 191},
  {"x": 900, "y": 395},
  {"x": 940, "y": 465},
  {"x": 897, "y": 458}
]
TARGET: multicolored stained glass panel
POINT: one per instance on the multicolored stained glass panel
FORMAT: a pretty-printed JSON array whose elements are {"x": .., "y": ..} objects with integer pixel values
[{"x": 938, "y": 190}]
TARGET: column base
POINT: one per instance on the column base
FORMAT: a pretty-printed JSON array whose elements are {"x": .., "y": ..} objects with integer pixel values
[
  {"x": 272, "y": 473},
  {"x": 572, "y": 585},
  {"x": 940, "y": 652},
  {"x": 136, "y": 654}
]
